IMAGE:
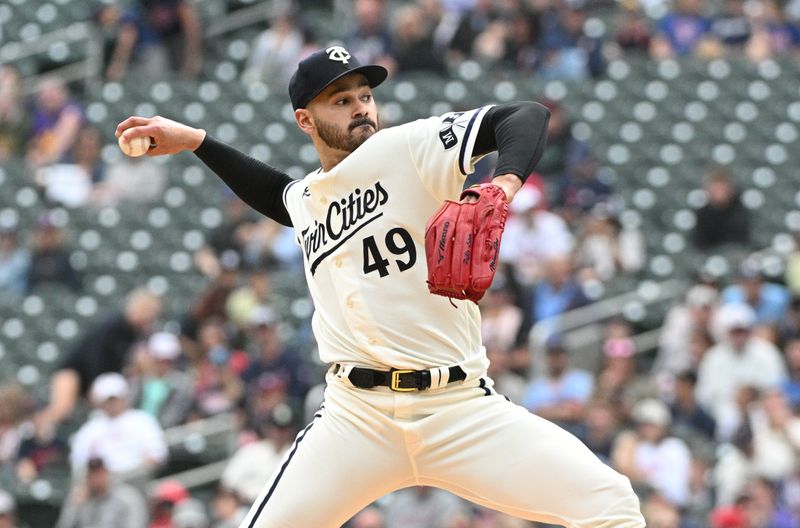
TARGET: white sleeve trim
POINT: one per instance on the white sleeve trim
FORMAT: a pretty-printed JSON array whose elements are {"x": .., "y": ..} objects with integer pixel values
[
  {"x": 285, "y": 192},
  {"x": 465, "y": 158}
]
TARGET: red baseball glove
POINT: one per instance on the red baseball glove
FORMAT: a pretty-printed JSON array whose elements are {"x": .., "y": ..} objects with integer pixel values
[{"x": 462, "y": 243}]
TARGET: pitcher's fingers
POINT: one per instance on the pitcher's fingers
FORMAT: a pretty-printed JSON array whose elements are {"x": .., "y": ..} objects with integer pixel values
[
  {"x": 131, "y": 122},
  {"x": 142, "y": 131}
]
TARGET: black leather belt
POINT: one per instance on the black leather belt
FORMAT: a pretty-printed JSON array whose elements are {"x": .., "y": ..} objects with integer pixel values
[{"x": 399, "y": 380}]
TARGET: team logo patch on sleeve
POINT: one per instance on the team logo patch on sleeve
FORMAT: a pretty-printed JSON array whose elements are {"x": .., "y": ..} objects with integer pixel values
[{"x": 446, "y": 134}]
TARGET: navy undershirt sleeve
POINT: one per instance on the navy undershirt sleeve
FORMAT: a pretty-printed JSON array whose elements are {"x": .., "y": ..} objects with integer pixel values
[
  {"x": 518, "y": 132},
  {"x": 259, "y": 185}
]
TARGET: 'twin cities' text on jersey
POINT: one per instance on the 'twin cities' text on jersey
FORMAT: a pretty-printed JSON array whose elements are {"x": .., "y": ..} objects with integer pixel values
[{"x": 343, "y": 219}]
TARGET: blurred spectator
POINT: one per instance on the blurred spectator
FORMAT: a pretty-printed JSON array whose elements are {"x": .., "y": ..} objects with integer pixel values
[
  {"x": 569, "y": 52},
  {"x": 649, "y": 456},
  {"x": 14, "y": 120},
  {"x": 227, "y": 508},
  {"x": 50, "y": 258},
  {"x": 422, "y": 507},
  {"x": 619, "y": 381},
  {"x": 369, "y": 517},
  {"x": 563, "y": 153},
  {"x": 103, "y": 348},
  {"x": 101, "y": 501},
  {"x": 769, "y": 301},
  {"x": 71, "y": 183},
  {"x": 732, "y": 27},
  {"x": 42, "y": 450},
  {"x": 218, "y": 386},
  {"x": 789, "y": 327},
  {"x": 660, "y": 513},
  {"x": 15, "y": 262},
  {"x": 128, "y": 440},
  {"x": 130, "y": 180},
  {"x": 253, "y": 464},
  {"x": 689, "y": 419},
  {"x": 600, "y": 428},
  {"x": 8, "y": 511},
  {"x": 274, "y": 357},
  {"x": 582, "y": 188},
  {"x": 15, "y": 405},
  {"x": 734, "y": 467},
  {"x": 506, "y": 382},
  {"x": 167, "y": 495},
  {"x": 605, "y": 248},
  {"x": 561, "y": 394},
  {"x": 791, "y": 387},
  {"x": 277, "y": 50},
  {"x": 501, "y": 319},
  {"x": 680, "y": 327},
  {"x": 681, "y": 32},
  {"x": 557, "y": 292},
  {"x": 371, "y": 41},
  {"x": 170, "y": 37},
  {"x": 413, "y": 42},
  {"x": 763, "y": 509},
  {"x": 163, "y": 390},
  {"x": 533, "y": 236},
  {"x": 746, "y": 360},
  {"x": 522, "y": 33},
  {"x": 119, "y": 30},
  {"x": 244, "y": 302},
  {"x": 773, "y": 35},
  {"x": 56, "y": 119},
  {"x": 776, "y": 437},
  {"x": 474, "y": 21},
  {"x": 633, "y": 29},
  {"x": 190, "y": 513},
  {"x": 724, "y": 219},
  {"x": 729, "y": 517}
]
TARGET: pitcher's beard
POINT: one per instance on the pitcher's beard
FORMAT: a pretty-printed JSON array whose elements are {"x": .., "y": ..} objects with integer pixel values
[{"x": 348, "y": 141}]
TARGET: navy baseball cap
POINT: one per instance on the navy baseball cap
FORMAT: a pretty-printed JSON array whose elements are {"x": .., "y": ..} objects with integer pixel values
[{"x": 321, "y": 68}]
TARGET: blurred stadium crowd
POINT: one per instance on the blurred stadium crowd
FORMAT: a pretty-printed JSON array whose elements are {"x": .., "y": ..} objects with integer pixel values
[{"x": 705, "y": 422}]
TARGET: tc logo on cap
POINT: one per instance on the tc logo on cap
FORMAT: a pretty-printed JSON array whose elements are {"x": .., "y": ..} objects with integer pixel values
[{"x": 338, "y": 53}]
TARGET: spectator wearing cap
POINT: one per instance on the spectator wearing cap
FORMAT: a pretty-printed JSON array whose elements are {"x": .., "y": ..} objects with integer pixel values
[
  {"x": 163, "y": 391},
  {"x": 680, "y": 325},
  {"x": 776, "y": 437},
  {"x": 15, "y": 261},
  {"x": 252, "y": 464},
  {"x": 8, "y": 511},
  {"x": 561, "y": 394},
  {"x": 569, "y": 52},
  {"x": 102, "y": 501},
  {"x": 723, "y": 220},
  {"x": 769, "y": 300},
  {"x": 227, "y": 508},
  {"x": 56, "y": 120},
  {"x": 50, "y": 258},
  {"x": 619, "y": 381},
  {"x": 689, "y": 419},
  {"x": 533, "y": 235},
  {"x": 650, "y": 457},
  {"x": 273, "y": 356},
  {"x": 167, "y": 495},
  {"x": 128, "y": 440},
  {"x": 103, "y": 348},
  {"x": 739, "y": 359}
]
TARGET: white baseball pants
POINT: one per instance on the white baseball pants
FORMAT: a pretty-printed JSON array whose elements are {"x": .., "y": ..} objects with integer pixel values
[{"x": 465, "y": 438}]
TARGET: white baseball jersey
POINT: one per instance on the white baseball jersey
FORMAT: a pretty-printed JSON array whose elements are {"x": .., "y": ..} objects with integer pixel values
[{"x": 361, "y": 226}]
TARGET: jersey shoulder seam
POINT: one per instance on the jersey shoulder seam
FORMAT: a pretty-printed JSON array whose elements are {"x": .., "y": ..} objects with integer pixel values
[{"x": 286, "y": 193}]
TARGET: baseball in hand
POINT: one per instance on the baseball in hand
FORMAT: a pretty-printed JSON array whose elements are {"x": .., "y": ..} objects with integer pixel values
[{"x": 134, "y": 147}]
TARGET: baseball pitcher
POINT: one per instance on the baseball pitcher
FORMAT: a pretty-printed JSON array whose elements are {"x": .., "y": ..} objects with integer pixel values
[{"x": 396, "y": 258}]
